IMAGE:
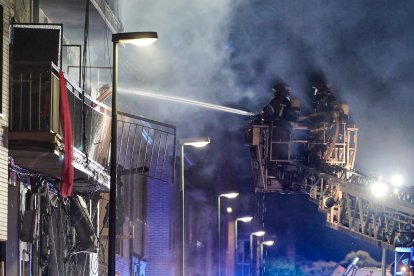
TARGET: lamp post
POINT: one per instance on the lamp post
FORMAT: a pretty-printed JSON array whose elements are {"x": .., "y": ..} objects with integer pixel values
[
  {"x": 198, "y": 143},
  {"x": 257, "y": 234},
  {"x": 262, "y": 244},
  {"x": 229, "y": 195},
  {"x": 242, "y": 219},
  {"x": 139, "y": 39}
]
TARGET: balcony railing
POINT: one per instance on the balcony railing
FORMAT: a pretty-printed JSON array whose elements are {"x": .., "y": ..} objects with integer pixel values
[
  {"x": 34, "y": 107},
  {"x": 144, "y": 145}
]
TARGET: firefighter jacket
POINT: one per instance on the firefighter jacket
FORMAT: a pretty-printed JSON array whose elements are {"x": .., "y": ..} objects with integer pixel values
[{"x": 279, "y": 110}]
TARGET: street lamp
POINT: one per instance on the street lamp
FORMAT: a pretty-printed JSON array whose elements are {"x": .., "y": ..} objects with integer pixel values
[
  {"x": 198, "y": 143},
  {"x": 242, "y": 219},
  {"x": 229, "y": 195},
  {"x": 140, "y": 39},
  {"x": 257, "y": 234},
  {"x": 262, "y": 244}
]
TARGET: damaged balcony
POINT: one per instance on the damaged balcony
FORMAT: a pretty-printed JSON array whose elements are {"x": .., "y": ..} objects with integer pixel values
[{"x": 35, "y": 139}]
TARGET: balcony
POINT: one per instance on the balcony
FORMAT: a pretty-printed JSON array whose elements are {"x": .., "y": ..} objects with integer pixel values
[{"x": 35, "y": 139}]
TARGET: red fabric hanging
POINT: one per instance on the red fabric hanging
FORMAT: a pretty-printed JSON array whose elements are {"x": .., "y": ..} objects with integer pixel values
[{"x": 66, "y": 183}]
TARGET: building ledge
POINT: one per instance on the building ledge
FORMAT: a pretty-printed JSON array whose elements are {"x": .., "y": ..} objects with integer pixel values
[{"x": 43, "y": 152}]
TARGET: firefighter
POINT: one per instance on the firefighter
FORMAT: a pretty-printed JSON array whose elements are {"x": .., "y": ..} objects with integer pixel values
[
  {"x": 327, "y": 113},
  {"x": 279, "y": 112},
  {"x": 324, "y": 100}
]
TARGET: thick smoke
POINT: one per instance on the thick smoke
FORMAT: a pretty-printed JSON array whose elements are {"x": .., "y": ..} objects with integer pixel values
[
  {"x": 229, "y": 52},
  {"x": 363, "y": 50},
  {"x": 191, "y": 59}
]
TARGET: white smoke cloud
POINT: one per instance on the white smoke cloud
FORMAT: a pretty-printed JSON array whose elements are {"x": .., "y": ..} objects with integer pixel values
[
  {"x": 191, "y": 59},
  {"x": 229, "y": 52},
  {"x": 365, "y": 54},
  {"x": 192, "y": 44}
]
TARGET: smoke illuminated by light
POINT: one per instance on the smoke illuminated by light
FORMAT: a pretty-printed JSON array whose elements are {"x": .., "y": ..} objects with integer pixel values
[
  {"x": 397, "y": 180},
  {"x": 379, "y": 189},
  {"x": 234, "y": 58}
]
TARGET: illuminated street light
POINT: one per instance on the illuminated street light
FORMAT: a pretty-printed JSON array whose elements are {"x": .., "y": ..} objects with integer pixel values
[
  {"x": 229, "y": 195},
  {"x": 262, "y": 244},
  {"x": 198, "y": 143},
  {"x": 136, "y": 38},
  {"x": 245, "y": 220},
  {"x": 119, "y": 38},
  {"x": 229, "y": 209},
  {"x": 268, "y": 243},
  {"x": 195, "y": 142},
  {"x": 257, "y": 234},
  {"x": 379, "y": 188}
]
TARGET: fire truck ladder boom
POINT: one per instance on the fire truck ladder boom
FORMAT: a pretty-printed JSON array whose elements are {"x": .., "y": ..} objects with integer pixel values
[{"x": 342, "y": 193}]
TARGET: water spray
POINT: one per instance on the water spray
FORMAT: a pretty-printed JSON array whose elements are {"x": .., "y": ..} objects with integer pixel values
[{"x": 187, "y": 101}]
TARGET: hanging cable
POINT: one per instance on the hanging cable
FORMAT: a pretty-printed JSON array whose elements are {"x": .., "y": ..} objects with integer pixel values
[
  {"x": 263, "y": 209},
  {"x": 84, "y": 56}
]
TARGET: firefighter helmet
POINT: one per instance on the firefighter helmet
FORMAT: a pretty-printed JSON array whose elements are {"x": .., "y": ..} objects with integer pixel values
[
  {"x": 282, "y": 89},
  {"x": 322, "y": 87}
]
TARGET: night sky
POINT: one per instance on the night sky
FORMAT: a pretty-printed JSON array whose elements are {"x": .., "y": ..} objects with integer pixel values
[{"x": 230, "y": 52}]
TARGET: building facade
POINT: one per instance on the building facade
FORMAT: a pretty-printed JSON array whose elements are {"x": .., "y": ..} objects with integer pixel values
[
  {"x": 42, "y": 230},
  {"x": 5, "y": 12}
]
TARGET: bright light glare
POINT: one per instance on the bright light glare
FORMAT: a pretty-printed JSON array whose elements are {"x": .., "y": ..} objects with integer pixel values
[
  {"x": 229, "y": 209},
  {"x": 259, "y": 233},
  {"x": 230, "y": 195},
  {"x": 139, "y": 42},
  {"x": 268, "y": 243},
  {"x": 135, "y": 38},
  {"x": 195, "y": 142},
  {"x": 379, "y": 189},
  {"x": 404, "y": 269},
  {"x": 397, "y": 180},
  {"x": 200, "y": 144},
  {"x": 245, "y": 219}
]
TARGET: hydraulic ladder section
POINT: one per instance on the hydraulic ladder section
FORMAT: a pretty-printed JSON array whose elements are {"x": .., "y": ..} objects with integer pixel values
[{"x": 318, "y": 160}]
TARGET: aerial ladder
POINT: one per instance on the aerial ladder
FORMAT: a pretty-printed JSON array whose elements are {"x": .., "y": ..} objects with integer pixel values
[{"x": 318, "y": 160}]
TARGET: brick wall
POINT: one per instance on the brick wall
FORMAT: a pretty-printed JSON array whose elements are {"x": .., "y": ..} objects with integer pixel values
[
  {"x": 122, "y": 265},
  {"x": 4, "y": 123},
  {"x": 159, "y": 245}
]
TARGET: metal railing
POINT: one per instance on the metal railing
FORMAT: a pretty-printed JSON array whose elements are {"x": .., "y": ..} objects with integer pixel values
[
  {"x": 144, "y": 145},
  {"x": 31, "y": 99},
  {"x": 34, "y": 107}
]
